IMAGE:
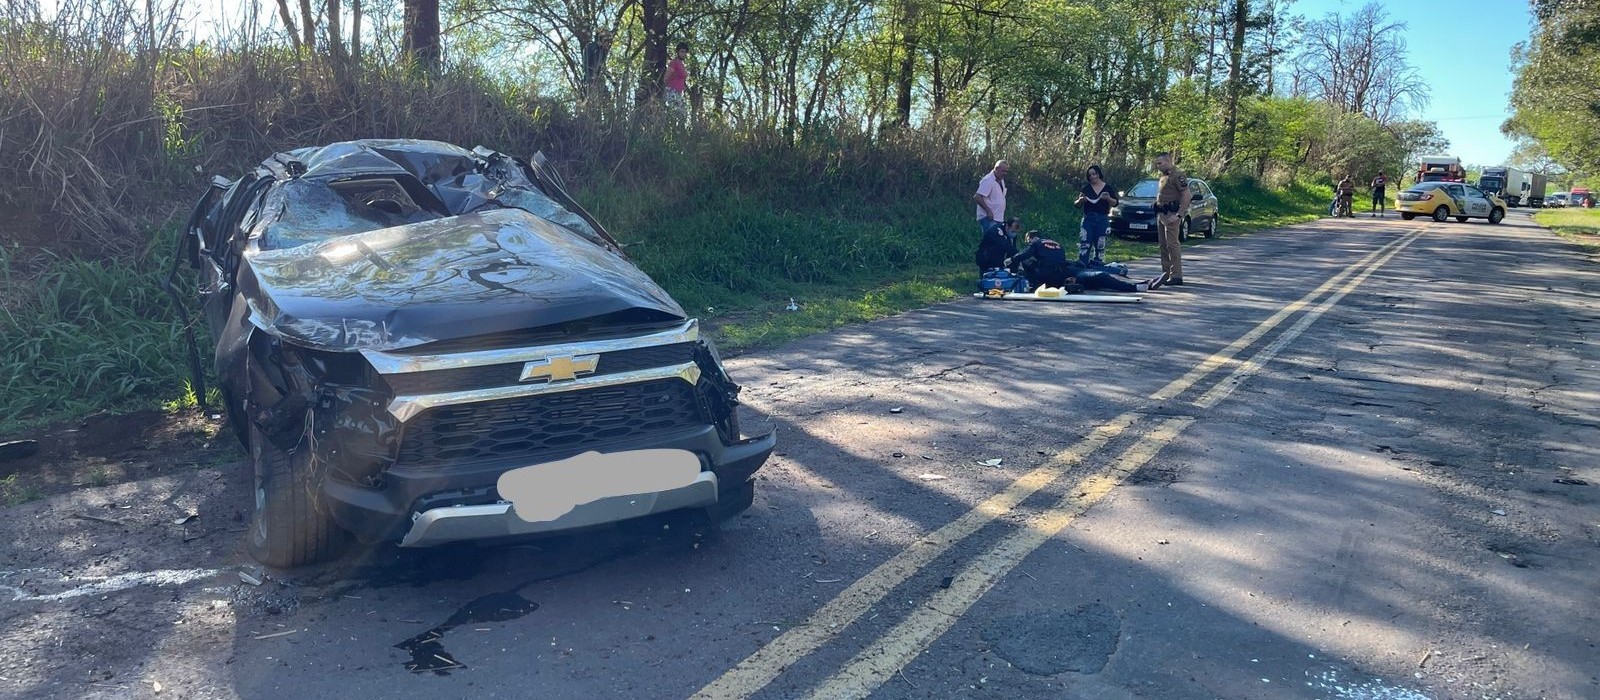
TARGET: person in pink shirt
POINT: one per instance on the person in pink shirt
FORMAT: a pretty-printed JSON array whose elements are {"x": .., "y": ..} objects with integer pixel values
[
  {"x": 991, "y": 198},
  {"x": 677, "y": 82}
]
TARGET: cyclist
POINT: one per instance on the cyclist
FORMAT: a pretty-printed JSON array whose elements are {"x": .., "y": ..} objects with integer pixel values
[{"x": 1347, "y": 193}]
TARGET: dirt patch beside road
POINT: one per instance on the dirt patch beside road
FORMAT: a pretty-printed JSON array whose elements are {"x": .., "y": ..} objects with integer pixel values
[
  {"x": 91, "y": 574},
  {"x": 105, "y": 449}
]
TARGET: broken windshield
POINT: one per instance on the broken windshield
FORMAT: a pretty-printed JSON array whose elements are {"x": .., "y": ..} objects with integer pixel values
[{"x": 319, "y": 210}]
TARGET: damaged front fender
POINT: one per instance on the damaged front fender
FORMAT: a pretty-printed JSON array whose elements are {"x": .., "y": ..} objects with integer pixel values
[
  {"x": 318, "y": 402},
  {"x": 718, "y": 394}
]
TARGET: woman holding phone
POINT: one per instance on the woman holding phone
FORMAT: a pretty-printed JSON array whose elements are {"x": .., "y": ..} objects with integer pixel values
[{"x": 1097, "y": 198}]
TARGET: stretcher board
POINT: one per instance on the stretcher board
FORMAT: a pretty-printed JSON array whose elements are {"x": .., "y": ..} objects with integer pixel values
[{"x": 1084, "y": 298}]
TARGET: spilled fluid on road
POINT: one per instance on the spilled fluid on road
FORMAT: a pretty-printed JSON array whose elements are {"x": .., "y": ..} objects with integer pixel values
[
  {"x": 552, "y": 558},
  {"x": 427, "y": 649}
]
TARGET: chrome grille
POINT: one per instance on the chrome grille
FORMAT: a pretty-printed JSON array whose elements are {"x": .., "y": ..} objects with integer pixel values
[
  {"x": 508, "y": 374},
  {"x": 548, "y": 426}
]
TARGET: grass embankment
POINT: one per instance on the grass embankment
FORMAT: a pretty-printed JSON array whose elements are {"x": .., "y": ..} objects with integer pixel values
[
  {"x": 870, "y": 291},
  {"x": 1581, "y": 226},
  {"x": 83, "y": 336}
]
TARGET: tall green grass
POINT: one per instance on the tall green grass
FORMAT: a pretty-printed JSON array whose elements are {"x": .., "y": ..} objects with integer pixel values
[
  {"x": 85, "y": 335},
  {"x": 1247, "y": 206},
  {"x": 1570, "y": 220}
]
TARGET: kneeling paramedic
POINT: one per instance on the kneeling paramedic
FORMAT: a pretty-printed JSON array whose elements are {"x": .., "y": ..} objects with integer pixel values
[
  {"x": 999, "y": 243},
  {"x": 1049, "y": 260}
]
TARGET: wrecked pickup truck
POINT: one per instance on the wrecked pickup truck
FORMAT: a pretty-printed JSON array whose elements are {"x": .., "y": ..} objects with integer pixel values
[{"x": 398, "y": 324}]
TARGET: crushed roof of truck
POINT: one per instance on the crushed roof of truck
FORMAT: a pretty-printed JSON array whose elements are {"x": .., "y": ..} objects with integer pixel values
[{"x": 359, "y": 186}]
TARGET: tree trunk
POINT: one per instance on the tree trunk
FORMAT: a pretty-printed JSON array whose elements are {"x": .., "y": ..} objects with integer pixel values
[
  {"x": 355, "y": 30},
  {"x": 655, "y": 49},
  {"x": 791, "y": 89},
  {"x": 288, "y": 24},
  {"x": 1075, "y": 143},
  {"x": 735, "y": 38},
  {"x": 719, "y": 99},
  {"x": 816, "y": 100},
  {"x": 1241, "y": 14},
  {"x": 1117, "y": 150},
  {"x": 308, "y": 27},
  {"x": 335, "y": 38},
  {"x": 149, "y": 30},
  {"x": 908, "y": 62},
  {"x": 1271, "y": 45},
  {"x": 421, "y": 28},
  {"x": 1211, "y": 49}
]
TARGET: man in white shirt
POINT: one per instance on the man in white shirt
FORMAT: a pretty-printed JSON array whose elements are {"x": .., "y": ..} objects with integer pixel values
[{"x": 991, "y": 197}]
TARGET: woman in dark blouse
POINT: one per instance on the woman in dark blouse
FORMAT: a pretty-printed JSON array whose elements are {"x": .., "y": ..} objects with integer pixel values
[{"x": 1097, "y": 198}]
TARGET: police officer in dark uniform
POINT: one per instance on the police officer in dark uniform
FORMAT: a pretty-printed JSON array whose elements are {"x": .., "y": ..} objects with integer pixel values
[{"x": 1172, "y": 205}]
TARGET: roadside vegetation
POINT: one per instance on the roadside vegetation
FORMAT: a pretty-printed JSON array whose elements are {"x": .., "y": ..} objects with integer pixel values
[
  {"x": 1555, "y": 100},
  {"x": 1581, "y": 226},
  {"x": 826, "y": 155}
]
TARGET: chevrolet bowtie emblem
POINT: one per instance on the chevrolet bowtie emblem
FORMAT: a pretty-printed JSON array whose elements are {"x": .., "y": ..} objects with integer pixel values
[{"x": 560, "y": 369}]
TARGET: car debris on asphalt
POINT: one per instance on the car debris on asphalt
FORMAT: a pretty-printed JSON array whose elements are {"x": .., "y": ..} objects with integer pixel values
[{"x": 252, "y": 574}]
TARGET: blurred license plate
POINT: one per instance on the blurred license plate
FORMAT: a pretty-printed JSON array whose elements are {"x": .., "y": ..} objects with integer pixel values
[
  {"x": 1139, "y": 226},
  {"x": 548, "y": 491}
]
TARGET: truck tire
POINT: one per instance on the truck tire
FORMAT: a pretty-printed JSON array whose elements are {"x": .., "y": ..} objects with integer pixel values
[
  {"x": 1441, "y": 214},
  {"x": 290, "y": 526}
]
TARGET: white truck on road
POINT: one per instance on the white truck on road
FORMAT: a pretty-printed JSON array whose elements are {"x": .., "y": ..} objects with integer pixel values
[{"x": 1517, "y": 187}]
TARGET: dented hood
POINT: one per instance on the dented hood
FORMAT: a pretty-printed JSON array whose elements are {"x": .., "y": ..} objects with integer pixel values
[{"x": 489, "y": 271}]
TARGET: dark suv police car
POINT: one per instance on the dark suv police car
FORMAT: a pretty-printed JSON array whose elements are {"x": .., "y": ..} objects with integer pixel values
[{"x": 403, "y": 326}]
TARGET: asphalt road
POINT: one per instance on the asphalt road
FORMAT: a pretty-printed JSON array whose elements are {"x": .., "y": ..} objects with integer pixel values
[{"x": 1326, "y": 468}]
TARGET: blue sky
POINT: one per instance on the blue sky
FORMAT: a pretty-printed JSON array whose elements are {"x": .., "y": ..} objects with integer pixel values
[{"x": 1463, "y": 49}]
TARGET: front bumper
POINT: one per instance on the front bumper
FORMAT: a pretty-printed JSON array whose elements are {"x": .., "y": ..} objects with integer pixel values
[
  {"x": 426, "y": 508},
  {"x": 1135, "y": 225},
  {"x": 459, "y": 523}
]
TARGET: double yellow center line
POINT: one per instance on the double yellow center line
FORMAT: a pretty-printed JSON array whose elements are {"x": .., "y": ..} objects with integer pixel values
[{"x": 891, "y": 652}]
